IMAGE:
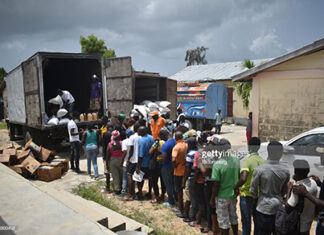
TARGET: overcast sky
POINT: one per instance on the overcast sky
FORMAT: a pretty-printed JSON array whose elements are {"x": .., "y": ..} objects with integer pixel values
[{"x": 157, "y": 33}]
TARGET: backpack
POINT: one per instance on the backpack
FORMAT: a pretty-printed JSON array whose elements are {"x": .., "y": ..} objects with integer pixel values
[{"x": 289, "y": 223}]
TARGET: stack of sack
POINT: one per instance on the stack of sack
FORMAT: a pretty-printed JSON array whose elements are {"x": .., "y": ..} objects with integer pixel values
[
  {"x": 60, "y": 116},
  {"x": 146, "y": 107},
  {"x": 33, "y": 161}
]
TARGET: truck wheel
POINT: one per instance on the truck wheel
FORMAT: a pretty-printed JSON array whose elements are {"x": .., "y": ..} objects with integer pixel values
[
  {"x": 12, "y": 131},
  {"x": 27, "y": 137}
]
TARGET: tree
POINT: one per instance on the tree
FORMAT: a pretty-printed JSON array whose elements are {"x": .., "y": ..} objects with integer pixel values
[
  {"x": 244, "y": 88},
  {"x": 3, "y": 73},
  {"x": 196, "y": 56},
  {"x": 93, "y": 45}
]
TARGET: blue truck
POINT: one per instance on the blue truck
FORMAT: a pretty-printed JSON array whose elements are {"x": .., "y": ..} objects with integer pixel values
[{"x": 201, "y": 101}]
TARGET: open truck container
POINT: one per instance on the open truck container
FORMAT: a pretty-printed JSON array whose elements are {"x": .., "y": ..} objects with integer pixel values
[
  {"x": 36, "y": 80},
  {"x": 201, "y": 101}
]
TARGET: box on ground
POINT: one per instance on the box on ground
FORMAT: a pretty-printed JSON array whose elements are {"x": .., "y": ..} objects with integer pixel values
[
  {"x": 31, "y": 164},
  {"x": 48, "y": 173},
  {"x": 20, "y": 169}
]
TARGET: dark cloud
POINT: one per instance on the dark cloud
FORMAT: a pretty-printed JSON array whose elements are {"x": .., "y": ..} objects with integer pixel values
[{"x": 156, "y": 33}]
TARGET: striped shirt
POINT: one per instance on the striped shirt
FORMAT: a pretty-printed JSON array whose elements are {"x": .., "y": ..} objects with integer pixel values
[{"x": 190, "y": 160}]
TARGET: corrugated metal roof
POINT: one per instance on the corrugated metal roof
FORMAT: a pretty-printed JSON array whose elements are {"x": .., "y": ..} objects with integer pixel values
[{"x": 212, "y": 72}]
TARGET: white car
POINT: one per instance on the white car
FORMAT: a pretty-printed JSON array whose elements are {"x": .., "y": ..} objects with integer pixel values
[{"x": 308, "y": 146}]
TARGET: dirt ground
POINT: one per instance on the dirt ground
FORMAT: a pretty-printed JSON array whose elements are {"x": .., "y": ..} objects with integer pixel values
[{"x": 158, "y": 213}]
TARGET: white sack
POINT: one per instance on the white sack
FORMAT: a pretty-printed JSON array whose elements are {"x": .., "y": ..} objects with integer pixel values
[
  {"x": 61, "y": 113},
  {"x": 53, "y": 121},
  {"x": 56, "y": 100}
]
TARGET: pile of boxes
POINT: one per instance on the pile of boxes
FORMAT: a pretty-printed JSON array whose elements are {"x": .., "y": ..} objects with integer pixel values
[{"x": 33, "y": 161}]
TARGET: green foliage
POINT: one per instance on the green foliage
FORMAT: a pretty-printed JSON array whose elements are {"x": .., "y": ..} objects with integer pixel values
[
  {"x": 3, "y": 73},
  {"x": 247, "y": 63},
  {"x": 93, "y": 45},
  {"x": 196, "y": 56},
  {"x": 244, "y": 88}
]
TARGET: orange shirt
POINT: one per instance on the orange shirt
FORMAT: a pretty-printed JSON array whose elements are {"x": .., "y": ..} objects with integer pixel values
[
  {"x": 156, "y": 127},
  {"x": 179, "y": 155}
]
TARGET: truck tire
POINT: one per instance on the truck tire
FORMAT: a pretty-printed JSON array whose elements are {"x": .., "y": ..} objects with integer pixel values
[
  {"x": 12, "y": 131},
  {"x": 27, "y": 137}
]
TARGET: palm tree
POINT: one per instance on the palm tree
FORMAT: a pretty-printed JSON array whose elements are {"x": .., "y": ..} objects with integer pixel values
[
  {"x": 244, "y": 88},
  {"x": 196, "y": 56}
]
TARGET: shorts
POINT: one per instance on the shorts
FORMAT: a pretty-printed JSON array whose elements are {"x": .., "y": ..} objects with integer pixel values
[
  {"x": 131, "y": 168},
  {"x": 147, "y": 172},
  {"x": 226, "y": 213},
  {"x": 178, "y": 184},
  {"x": 94, "y": 104}
]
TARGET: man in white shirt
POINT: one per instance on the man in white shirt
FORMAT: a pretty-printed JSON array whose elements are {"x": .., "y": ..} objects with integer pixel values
[
  {"x": 75, "y": 142},
  {"x": 126, "y": 150},
  {"x": 132, "y": 162},
  {"x": 301, "y": 168},
  {"x": 68, "y": 100}
]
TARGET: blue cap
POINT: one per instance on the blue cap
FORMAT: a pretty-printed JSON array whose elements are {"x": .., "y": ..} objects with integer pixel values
[{"x": 129, "y": 132}]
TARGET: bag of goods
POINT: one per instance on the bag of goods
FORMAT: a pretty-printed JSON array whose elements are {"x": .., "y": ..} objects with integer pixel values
[
  {"x": 53, "y": 121},
  {"x": 64, "y": 121},
  {"x": 152, "y": 106},
  {"x": 57, "y": 100},
  {"x": 61, "y": 113},
  {"x": 145, "y": 102},
  {"x": 163, "y": 104}
]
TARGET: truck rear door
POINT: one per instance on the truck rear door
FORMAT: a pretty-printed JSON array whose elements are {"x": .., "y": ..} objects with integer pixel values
[
  {"x": 120, "y": 82},
  {"x": 31, "y": 89},
  {"x": 171, "y": 96}
]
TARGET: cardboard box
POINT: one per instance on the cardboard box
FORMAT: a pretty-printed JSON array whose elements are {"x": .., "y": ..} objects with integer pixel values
[
  {"x": 18, "y": 147},
  {"x": 46, "y": 155},
  {"x": 5, "y": 159},
  {"x": 31, "y": 164},
  {"x": 11, "y": 152},
  {"x": 9, "y": 145},
  {"x": 63, "y": 163},
  {"x": 33, "y": 147},
  {"x": 23, "y": 155},
  {"x": 48, "y": 173},
  {"x": 20, "y": 169}
]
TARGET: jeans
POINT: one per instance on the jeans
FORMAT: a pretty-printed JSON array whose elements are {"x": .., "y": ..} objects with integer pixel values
[
  {"x": 116, "y": 172},
  {"x": 319, "y": 229},
  {"x": 265, "y": 224},
  {"x": 91, "y": 153},
  {"x": 70, "y": 108},
  {"x": 193, "y": 200},
  {"x": 156, "y": 174},
  {"x": 208, "y": 188},
  {"x": 218, "y": 129},
  {"x": 167, "y": 175},
  {"x": 124, "y": 186},
  {"x": 75, "y": 154},
  {"x": 247, "y": 211}
]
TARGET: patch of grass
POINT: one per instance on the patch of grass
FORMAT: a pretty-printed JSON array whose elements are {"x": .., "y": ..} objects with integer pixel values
[
  {"x": 92, "y": 192},
  {"x": 3, "y": 125}
]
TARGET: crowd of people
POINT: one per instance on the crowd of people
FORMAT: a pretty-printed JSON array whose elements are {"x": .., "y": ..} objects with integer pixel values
[{"x": 173, "y": 161}]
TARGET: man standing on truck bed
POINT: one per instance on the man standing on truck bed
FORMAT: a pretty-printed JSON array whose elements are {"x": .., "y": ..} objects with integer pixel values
[
  {"x": 95, "y": 93},
  {"x": 68, "y": 100}
]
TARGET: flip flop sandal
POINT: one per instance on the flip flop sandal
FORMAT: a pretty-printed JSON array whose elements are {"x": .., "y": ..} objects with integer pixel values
[{"x": 127, "y": 199}]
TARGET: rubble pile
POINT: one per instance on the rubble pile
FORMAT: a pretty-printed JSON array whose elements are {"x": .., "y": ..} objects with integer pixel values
[{"x": 33, "y": 161}]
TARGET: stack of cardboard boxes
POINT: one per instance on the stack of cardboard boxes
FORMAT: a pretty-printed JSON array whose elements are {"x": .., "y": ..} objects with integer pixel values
[{"x": 33, "y": 161}]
